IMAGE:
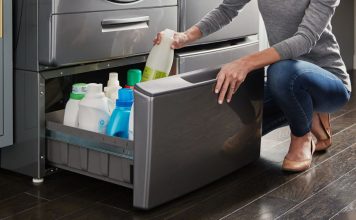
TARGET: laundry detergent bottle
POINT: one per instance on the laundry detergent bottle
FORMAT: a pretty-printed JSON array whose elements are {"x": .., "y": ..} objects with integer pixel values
[
  {"x": 113, "y": 87},
  {"x": 160, "y": 59},
  {"x": 134, "y": 76},
  {"x": 94, "y": 109},
  {"x": 119, "y": 122},
  {"x": 72, "y": 107}
]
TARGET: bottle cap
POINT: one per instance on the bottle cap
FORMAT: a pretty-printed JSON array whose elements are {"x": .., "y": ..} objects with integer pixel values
[
  {"x": 78, "y": 91},
  {"x": 134, "y": 76},
  {"x": 94, "y": 88},
  {"x": 168, "y": 33},
  {"x": 126, "y": 98},
  {"x": 79, "y": 88},
  {"x": 113, "y": 80}
]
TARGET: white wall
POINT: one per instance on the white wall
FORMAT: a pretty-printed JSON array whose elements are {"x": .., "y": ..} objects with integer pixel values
[{"x": 263, "y": 35}]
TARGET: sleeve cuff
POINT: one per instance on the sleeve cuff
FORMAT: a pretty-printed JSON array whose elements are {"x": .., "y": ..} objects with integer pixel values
[
  {"x": 283, "y": 50},
  {"x": 204, "y": 28}
]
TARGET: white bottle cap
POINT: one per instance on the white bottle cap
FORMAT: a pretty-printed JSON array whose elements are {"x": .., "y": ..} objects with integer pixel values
[
  {"x": 168, "y": 33},
  {"x": 94, "y": 88},
  {"x": 113, "y": 80}
]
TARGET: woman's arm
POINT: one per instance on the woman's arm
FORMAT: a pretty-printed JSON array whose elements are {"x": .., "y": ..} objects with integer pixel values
[
  {"x": 220, "y": 16},
  {"x": 317, "y": 17},
  {"x": 212, "y": 22},
  {"x": 233, "y": 74}
]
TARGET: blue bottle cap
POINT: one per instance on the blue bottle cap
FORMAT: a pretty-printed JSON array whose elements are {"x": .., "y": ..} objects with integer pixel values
[{"x": 126, "y": 98}]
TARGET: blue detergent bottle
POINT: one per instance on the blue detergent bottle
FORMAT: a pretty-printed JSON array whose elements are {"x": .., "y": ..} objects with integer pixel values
[{"x": 119, "y": 121}]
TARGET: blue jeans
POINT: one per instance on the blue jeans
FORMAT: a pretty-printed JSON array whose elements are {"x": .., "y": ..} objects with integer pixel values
[{"x": 294, "y": 90}]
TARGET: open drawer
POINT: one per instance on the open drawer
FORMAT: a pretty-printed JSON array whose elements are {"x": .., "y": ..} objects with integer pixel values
[{"x": 183, "y": 139}]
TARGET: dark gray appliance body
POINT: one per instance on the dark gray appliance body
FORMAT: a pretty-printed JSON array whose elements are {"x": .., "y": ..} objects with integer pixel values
[{"x": 191, "y": 11}]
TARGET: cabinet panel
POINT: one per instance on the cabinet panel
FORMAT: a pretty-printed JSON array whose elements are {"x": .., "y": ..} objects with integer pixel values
[
  {"x": 6, "y": 82},
  {"x": 2, "y": 73}
]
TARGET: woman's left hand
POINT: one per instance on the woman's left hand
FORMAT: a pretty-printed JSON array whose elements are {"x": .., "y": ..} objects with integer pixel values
[{"x": 229, "y": 79}]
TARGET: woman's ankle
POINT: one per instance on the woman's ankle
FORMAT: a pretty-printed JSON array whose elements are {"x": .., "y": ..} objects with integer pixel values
[
  {"x": 300, "y": 147},
  {"x": 317, "y": 128}
]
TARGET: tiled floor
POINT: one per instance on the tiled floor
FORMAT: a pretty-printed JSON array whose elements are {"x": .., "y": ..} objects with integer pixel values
[{"x": 258, "y": 191}]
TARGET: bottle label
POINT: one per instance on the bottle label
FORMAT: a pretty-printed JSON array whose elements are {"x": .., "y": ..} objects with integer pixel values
[
  {"x": 102, "y": 126},
  {"x": 150, "y": 74}
]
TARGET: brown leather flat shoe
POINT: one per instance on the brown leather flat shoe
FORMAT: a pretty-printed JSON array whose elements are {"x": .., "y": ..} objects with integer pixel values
[
  {"x": 324, "y": 144},
  {"x": 299, "y": 166}
]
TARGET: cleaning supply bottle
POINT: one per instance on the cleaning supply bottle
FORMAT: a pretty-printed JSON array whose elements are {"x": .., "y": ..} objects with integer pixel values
[
  {"x": 131, "y": 123},
  {"x": 119, "y": 121},
  {"x": 94, "y": 113},
  {"x": 72, "y": 107},
  {"x": 160, "y": 59},
  {"x": 134, "y": 76},
  {"x": 111, "y": 91}
]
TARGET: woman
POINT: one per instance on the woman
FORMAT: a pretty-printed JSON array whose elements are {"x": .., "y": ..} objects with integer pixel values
[{"x": 306, "y": 79}]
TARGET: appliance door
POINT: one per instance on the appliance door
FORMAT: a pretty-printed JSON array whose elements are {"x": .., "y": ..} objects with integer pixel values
[
  {"x": 213, "y": 56},
  {"x": 95, "y": 36},
  {"x": 184, "y": 139},
  {"x": 191, "y": 11}
]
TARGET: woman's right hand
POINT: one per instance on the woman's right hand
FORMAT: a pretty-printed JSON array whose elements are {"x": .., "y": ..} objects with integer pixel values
[{"x": 181, "y": 39}]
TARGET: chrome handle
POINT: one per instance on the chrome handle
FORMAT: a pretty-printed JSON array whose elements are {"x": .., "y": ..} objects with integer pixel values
[
  {"x": 125, "y": 21},
  {"x": 125, "y": 24},
  {"x": 123, "y": 1},
  {"x": 203, "y": 76}
]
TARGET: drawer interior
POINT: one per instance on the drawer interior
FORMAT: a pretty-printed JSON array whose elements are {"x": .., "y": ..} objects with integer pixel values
[{"x": 97, "y": 155}]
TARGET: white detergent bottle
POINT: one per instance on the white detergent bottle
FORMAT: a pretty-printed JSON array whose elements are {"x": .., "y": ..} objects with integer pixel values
[
  {"x": 111, "y": 91},
  {"x": 72, "y": 107},
  {"x": 160, "y": 59},
  {"x": 94, "y": 109}
]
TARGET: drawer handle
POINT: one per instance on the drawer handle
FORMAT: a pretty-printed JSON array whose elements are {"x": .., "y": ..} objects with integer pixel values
[
  {"x": 202, "y": 76},
  {"x": 111, "y": 25},
  {"x": 123, "y": 1}
]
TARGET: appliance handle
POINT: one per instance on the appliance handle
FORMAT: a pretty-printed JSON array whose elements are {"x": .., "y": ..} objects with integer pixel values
[
  {"x": 203, "y": 76},
  {"x": 123, "y": 1},
  {"x": 124, "y": 24},
  {"x": 125, "y": 21}
]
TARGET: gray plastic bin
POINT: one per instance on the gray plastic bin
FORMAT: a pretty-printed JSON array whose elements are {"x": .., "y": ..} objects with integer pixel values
[{"x": 85, "y": 152}]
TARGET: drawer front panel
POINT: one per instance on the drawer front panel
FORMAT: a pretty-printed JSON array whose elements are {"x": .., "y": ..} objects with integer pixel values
[
  {"x": 211, "y": 58},
  {"x": 86, "y": 37},
  {"x": 185, "y": 140},
  {"x": 246, "y": 23},
  {"x": 70, "y": 6}
]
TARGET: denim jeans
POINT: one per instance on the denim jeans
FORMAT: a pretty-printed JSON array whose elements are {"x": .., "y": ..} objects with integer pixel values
[{"x": 294, "y": 90}]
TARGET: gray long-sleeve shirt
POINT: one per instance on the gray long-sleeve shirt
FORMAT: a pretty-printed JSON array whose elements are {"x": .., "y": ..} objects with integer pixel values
[{"x": 297, "y": 29}]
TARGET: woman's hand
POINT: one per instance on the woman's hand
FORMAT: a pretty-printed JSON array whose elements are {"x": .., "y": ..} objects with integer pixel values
[
  {"x": 180, "y": 40},
  {"x": 229, "y": 79},
  {"x": 233, "y": 74}
]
